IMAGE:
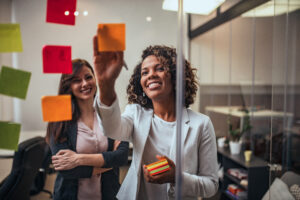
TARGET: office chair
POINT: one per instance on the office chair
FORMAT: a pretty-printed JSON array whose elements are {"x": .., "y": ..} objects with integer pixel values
[
  {"x": 44, "y": 170},
  {"x": 27, "y": 161}
]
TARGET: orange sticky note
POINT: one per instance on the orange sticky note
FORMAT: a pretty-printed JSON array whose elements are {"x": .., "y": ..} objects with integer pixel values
[
  {"x": 56, "y": 108},
  {"x": 111, "y": 37}
]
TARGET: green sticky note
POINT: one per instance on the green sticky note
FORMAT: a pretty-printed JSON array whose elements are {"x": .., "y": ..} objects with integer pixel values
[
  {"x": 14, "y": 82},
  {"x": 9, "y": 135},
  {"x": 10, "y": 38}
]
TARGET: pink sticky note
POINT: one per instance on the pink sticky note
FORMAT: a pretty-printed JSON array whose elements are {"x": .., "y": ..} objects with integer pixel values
[
  {"x": 61, "y": 11},
  {"x": 57, "y": 59}
]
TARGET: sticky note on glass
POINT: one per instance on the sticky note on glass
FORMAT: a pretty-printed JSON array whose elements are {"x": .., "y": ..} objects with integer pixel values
[
  {"x": 61, "y": 11},
  {"x": 111, "y": 37},
  {"x": 9, "y": 135},
  {"x": 10, "y": 38},
  {"x": 14, "y": 82},
  {"x": 158, "y": 167},
  {"x": 56, "y": 108},
  {"x": 57, "y": 59}
]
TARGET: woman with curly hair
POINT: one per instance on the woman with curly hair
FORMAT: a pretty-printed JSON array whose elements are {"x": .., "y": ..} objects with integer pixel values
[{"x": 149, "y": 122}]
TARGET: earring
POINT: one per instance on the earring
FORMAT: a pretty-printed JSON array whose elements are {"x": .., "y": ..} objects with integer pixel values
[{"x": 144, "y": 94}]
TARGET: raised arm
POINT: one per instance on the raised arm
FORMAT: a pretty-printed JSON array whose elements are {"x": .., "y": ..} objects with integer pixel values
[{"x": 107, "y": 66}]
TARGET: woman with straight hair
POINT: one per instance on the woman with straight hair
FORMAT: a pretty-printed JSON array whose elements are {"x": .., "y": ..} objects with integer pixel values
[
  {"x": 149, "y": 122},
  {"x": 87, "y": 161}
]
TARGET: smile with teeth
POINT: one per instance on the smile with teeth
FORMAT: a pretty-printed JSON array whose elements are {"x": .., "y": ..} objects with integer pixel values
[
  {"x": 154, "y": 85},
  {"x": 86, "y": 90}
]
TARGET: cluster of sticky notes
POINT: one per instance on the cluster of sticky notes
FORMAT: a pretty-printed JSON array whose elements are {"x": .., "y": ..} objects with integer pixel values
[
  {"x": 111, "y": 37},
  {"x": 57, "y": 108},
  {"x": 10, "y": 38},
  {"x": 57, "y": 59},
  {"x": 14, "y": 82},
  {"x": 158, "y": 167},
  {"x": 61, "y": 11},
  {"x": 9, "y": 135}
]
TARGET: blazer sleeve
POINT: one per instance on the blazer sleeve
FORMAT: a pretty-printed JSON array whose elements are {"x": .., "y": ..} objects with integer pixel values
[
  {"x": 205, "y": 183},
  {"x": 75, "y": 173},
  {"x": 118, "y": 157},
  {"x": 113, "y": 124}
]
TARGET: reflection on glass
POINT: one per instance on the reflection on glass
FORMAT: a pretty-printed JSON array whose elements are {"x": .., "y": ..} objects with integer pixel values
[{"x": 250, "y": 67}]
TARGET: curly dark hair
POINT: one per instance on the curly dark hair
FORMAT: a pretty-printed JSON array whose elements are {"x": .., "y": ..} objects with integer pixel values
[{"x": 167, "y": 57}]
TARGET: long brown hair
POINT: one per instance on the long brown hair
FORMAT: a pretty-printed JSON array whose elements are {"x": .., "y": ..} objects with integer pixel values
[{"x": 57, "y": 129}]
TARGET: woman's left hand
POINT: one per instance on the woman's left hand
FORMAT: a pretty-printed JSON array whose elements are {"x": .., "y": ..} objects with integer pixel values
[
  {"x": 65, "y": 159},
  {"x": 165, "y": 177}
]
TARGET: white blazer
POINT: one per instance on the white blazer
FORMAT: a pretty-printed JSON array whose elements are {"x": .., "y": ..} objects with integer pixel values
[{"x": 199, "y": 148}]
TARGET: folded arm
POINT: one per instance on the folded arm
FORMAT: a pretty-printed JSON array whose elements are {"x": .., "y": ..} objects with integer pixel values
[{"x": 75, "y": 173}]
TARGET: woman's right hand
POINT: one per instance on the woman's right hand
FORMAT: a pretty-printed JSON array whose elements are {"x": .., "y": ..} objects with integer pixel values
[{"x": 108, "y": 66}]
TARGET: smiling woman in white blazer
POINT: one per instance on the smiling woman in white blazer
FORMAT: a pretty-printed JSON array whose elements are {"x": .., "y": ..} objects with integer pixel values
[{"x": 149, "y": 122}]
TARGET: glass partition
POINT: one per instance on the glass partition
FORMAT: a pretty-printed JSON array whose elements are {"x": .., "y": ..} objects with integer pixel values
[{"x": 249, "y": 86}]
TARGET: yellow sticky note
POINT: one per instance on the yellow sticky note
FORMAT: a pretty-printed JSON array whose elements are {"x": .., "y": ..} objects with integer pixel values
[
  {"x": 10, "y": 38},
  {"x": 56, "y": 108},
  {"x": 111, "y": 37}
]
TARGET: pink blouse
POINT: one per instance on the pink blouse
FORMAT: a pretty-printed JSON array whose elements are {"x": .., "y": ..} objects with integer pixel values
[{"x": 90, "y": 141}]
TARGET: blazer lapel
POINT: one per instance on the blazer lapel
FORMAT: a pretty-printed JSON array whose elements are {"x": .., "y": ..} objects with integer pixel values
[
  {"x": 144, "y": 129},
  {"x": 185, "y": 129}
]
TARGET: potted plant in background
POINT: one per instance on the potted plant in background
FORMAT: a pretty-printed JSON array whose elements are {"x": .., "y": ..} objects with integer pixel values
[{"x": 235, "y": 142}]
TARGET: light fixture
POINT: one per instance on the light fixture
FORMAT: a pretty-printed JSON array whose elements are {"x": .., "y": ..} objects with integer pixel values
[
  {"x": 203, "y": 7},
  {"x": 67, "y": 13},
  {"x": 272, "y": 8},
  {"x": 85, "y": 13},
  {"x": 148, "y": 19},
  {"x": 76, "y": 13}
]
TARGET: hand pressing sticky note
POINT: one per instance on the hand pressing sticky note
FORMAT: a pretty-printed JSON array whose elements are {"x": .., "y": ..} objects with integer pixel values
[
  {"x": 158, "y": 167},
  {"x": 61, "y": 11},
  {"x": 14, "y": 82},
  {"x": 111, "y": 37},
  {"x": 9, "y": 135},
  {"x": 56, "y": 108},
  {"x": 10, "y": 38},
  {"x": 57, "y": 59}
]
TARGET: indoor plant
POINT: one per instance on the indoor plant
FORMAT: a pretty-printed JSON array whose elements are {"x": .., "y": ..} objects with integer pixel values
[{"x": 235, "y": 142}]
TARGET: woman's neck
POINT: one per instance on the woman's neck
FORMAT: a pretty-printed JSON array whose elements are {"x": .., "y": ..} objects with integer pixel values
[
  {"x": 86, "y": 108},
  {"x": 165, "y": 110}
]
